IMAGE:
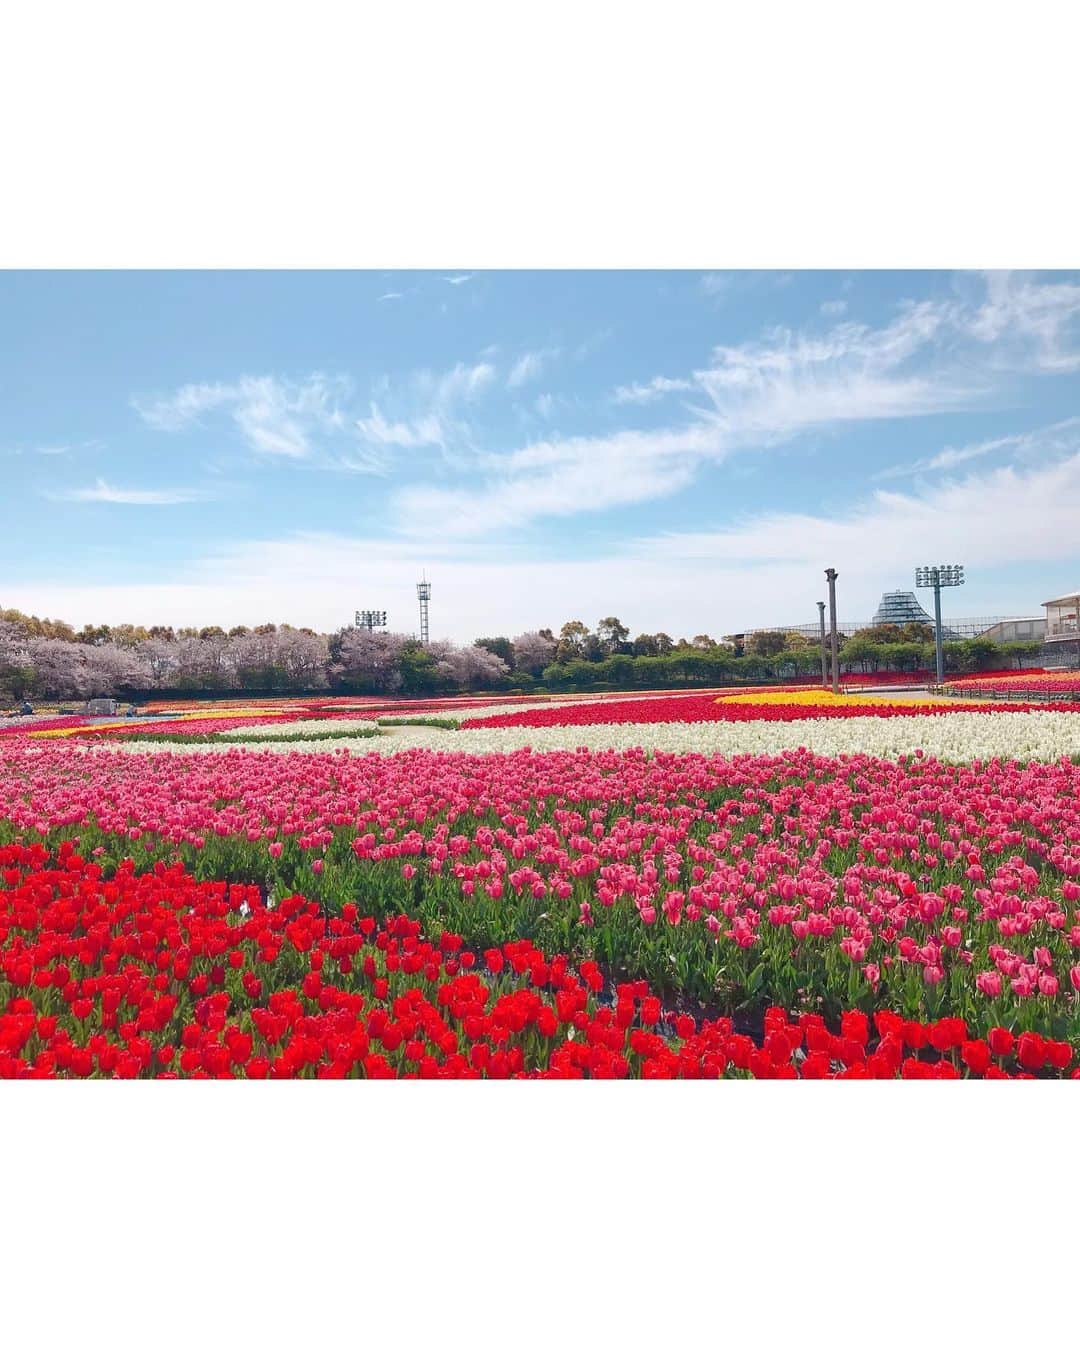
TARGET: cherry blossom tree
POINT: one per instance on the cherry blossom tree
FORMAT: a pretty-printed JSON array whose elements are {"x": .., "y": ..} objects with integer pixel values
[
  {"x": 532, "y": 652},
  {"x": 468, "y": 667},
  {"x": 369, "y": 660},
  {"x": 160, "y": 656},
  {"x": 59, "y": 668},
  {"x": 111, "y": 669},
  {"x": 303, "y": 656}
]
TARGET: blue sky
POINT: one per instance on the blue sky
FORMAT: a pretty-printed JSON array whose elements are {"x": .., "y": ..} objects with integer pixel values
[{"x": 686, "y": 450}]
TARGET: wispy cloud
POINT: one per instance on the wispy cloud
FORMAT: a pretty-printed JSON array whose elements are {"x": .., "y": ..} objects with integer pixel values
[
  {"x": 789, "y": 382},
  {"x": 834, "y": 308},
  {"x": 391, "y": 295},
  {"x": 53, "y": 449},
  {"x": 462, "y": 383},
  {"x": 1042, "y": 319},
  {"x": 171, "y": 412},
  {"x": 118, "y": 496},
  {"x": 716, "y": 284},
  {"x": 561, "y": 478},
  {"x": 460, "y": 279},
  {"x": 424, "y": 431},
  {"x": 530, "y": 366},
  {"x": 750, "y": 396},
  {"x": 592, "y": 344},
  {"x": 1031, "y": 513},
  {"x": 656, "y": 388},
  {"x": 425, "y": 408},
  {"x": 276, "y": 417},
  {"x": 1061, "y": 437}
]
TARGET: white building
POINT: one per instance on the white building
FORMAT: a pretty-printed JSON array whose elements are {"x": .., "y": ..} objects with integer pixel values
[
  {"x": 1017, "y": 630},
  {"x": 1063, "y": 618}
]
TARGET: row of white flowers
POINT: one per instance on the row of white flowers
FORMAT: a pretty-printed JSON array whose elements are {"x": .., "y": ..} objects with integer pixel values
[
  {"x": 957, "y": 736},
  {"x": 485, "y": 710},
  {"x": 305, "y": 727}
]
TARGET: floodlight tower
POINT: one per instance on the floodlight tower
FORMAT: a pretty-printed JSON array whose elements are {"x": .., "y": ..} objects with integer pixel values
[
  {"x": 944, "y": 574},
  {"x": 423, "y": 590},
  {"x": 371, "y": 619}
]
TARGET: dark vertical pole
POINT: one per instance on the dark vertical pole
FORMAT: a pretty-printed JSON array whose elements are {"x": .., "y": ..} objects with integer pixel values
[
  {"x": 824, "y": 660},
  {"x": 834, "y": 643},
  {"x": 938, "y": 652}
]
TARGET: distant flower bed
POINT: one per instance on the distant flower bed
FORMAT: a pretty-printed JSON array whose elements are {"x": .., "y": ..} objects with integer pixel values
[
  {"x": 855, "y": 680},
  {"x": 1019, "y": 682},
  {"x": 768, "y": 705},
  {"x": 20, "y": 726},
  {"x": 1010, "y": 674}
]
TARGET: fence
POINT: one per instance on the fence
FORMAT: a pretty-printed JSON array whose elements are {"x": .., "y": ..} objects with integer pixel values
[
  {"x": 955, "y": 628},
  {"x": 1030, "y": 694}
]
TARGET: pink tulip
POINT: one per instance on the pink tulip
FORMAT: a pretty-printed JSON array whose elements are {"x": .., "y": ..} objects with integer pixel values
[{"x": 988, "y": 982}]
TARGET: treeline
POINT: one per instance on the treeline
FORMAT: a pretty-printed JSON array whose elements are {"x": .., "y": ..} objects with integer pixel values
[
  {"x": 48, "y": 659},
  {"x": 884, "y": 647}
]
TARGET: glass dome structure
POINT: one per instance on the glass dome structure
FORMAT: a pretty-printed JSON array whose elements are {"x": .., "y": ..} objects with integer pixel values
[{"x": 901, "y": 607}]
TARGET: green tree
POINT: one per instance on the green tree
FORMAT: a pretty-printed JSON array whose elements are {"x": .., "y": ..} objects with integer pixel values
[
  {"x": 619, "y": 669},
  {"x": 419, "y": 674},
  {"x": 498, "y": 646},
  {"x": 1019, "y": 652},
  {"x": 860, "y": 651},
  {"x": 17, "y": 681},
  {"x": 572, "y": 637},
  {"x": 765, "y": 644},
  {"x": 94, "y": 635},
  {"x": 613, "y": 635}
]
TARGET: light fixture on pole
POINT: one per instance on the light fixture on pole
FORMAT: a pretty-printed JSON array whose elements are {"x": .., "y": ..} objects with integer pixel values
[
  {"x": 423, "y": 591},
  {"x": 943, "y": 574},
  {"x": 834, "y": 641},
  {"x": 371, "y": 619},
  {"x": 824, "y": 662}
]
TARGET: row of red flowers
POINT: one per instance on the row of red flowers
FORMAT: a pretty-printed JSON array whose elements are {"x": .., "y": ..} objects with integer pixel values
[
  {"x": 157, "y": 975},
  {"x": 708, "y": 708}
]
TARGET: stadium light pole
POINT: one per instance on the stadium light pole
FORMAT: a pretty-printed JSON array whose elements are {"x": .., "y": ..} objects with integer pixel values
[
  {"x": 944, "y": 574},
  {"x": 423, "y": 592},
  {"x": 834, "y": 642},
  {"x": 821, "y": 622},
  {"x": 371, "y": 619}
]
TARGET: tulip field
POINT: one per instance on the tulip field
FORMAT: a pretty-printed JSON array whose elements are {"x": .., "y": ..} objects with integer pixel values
[
  {"x": 729, "y": 883},
  {"x": 1020, "y": 682}
]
